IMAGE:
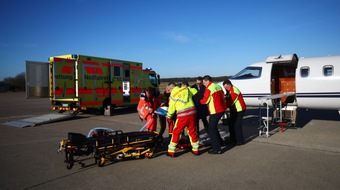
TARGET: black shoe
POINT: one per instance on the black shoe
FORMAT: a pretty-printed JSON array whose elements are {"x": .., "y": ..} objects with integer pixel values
[{"x": 212, "y": 151}]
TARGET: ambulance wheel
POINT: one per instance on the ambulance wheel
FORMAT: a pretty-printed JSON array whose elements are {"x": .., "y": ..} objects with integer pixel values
[{"x": 101, "y": 162}]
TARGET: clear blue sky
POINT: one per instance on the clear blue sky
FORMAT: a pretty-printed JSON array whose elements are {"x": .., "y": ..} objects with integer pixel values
[{"x": 177, "y": 38}]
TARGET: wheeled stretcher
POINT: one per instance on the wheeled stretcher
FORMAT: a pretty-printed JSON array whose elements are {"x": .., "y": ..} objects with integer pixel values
[{"x": 107, "y": 144}]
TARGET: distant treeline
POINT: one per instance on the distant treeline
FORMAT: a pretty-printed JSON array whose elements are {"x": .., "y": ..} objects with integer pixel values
[
  {"x": 13, "y": 84},
  {"x": 192, "y": 79}
]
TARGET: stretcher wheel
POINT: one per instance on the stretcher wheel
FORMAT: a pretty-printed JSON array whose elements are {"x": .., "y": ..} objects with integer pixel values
[
  {"x": 101, "y": 161},
  {"x": 70, "y": 161},
  {"x": 149, "y": 154},
  {"x": 69, "y": 165}
]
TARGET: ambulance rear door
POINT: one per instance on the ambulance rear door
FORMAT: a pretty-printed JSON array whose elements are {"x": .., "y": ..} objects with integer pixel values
[{"x": 63, "y": 79}]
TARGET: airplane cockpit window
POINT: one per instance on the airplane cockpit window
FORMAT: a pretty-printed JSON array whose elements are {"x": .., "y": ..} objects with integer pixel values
[
  {"x": 248, "y": 73},
  {"x": 304, "y": 72},
  {"x": 328, "y": 70}
]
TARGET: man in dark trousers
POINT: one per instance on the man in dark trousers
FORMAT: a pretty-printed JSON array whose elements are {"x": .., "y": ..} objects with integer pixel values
[
  {"x": 202, "y": 109},
  {"x": 237, "y": 106},
  {"x": 214, "y": 98}
]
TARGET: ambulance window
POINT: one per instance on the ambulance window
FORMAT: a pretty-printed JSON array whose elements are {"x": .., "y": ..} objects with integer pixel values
[
  {"x": 116, "y": 71},
  {"x": 328, "y": 70},
  {"x": 153, "y": 79},
  {"x": 248, "y": 73},
  {"x": 304, "y": 72}
]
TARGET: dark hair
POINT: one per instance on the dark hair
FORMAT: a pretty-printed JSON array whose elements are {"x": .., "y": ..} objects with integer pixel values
[
  {"x": 207, "y": 77},
  {"x": 171, "y": 83},
  {"x": 199, "y": 78},
  {"x": 185, "y": 83},
  {"x": 227, "y": 81},
  {"x": 151, "y": 90}
]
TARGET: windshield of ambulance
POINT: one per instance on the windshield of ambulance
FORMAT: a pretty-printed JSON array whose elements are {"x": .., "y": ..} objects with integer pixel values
[
  {"x": 153, "y": 79},
  {"x": 248, "y": 73}
]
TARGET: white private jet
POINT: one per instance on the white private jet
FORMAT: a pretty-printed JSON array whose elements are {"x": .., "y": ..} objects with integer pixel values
[{"x": 286, "y": 82}]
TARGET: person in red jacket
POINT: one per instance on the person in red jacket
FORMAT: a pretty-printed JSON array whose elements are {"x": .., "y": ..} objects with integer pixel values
[
  {"x": 214, "y": 98},
  {"x": 237, "y": 106},
  {"x": 146, "y": 106}
]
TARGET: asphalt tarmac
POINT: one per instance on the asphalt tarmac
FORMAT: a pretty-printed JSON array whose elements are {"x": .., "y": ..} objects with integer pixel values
[{"x": 305, "y": 157}]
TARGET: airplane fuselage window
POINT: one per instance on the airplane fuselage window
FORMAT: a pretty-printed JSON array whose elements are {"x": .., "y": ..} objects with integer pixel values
[
  {"x": 304, "y": 72},
  {"x": 328, "y": 70}
]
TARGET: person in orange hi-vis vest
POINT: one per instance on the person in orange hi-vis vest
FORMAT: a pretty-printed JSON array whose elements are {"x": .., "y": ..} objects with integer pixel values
[
  {"x": 237, "y": 106},
  {"x": 214, "y": 98}
]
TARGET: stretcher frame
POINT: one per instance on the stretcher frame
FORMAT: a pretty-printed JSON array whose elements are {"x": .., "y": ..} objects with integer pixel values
[{"x": 113, "y": 146}]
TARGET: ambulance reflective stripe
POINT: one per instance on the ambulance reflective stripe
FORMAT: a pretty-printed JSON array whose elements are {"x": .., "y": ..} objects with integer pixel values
[
  {"x": 94, "y": 70},
  {"x": 102, "y": 92},
  {"x": 56, "y": 59},
  {"x": 90, "y": 62},
  {"x": 67, "y": 69},
  {"x": 70, "y": 91},
  {"x": 58, "y": 91},
  {"x": 93, "y": 103},
  {"x": 115, "y": 64},
  {"x": 134, "y": 100},
  {"x": 135, "y": 89},
  {"x": 117, "y": 101},
  {"x": 106, "y": 64},
  {"x": 85, "y": 91},
  {"x": 136, "y": 67},
  {"x": 115, "y": 90}
]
